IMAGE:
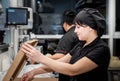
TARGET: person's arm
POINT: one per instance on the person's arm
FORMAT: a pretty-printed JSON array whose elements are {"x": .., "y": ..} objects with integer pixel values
[
  {"x": 40, "y": 70},
  {"x": 30, "y": 75},
  {"x": 81, "y": 66},
  {"x": 45, "y": 69},
  {"x": 56, "y": 56}
]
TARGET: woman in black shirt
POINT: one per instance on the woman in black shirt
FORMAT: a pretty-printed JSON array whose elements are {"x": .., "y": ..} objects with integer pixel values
[{"x": 86, "y": 61}]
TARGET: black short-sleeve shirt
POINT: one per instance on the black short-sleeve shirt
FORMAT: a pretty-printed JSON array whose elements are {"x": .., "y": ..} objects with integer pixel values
[
  {"x": 67, "y": 42},
  {"x": 98, "y": 52}
]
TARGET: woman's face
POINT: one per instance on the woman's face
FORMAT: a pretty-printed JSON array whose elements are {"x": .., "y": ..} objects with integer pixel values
[{"x": 82, "y": 32}]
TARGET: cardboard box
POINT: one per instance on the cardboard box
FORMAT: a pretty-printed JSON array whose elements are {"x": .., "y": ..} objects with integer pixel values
[{"x": 18, "y": 64}]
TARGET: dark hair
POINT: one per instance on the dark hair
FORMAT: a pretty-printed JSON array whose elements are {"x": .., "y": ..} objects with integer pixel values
[
  {"x": 68, "y": 16},
  {"x": 93, "y": 18}
]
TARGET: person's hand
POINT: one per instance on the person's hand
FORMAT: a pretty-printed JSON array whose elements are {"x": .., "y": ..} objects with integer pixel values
[
  {"x": 27, "y": 76},
  {"x": 31, "y": 52}
]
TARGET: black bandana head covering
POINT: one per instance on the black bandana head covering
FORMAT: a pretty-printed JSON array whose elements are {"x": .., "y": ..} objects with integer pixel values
[{"x": 92, "y": 18}]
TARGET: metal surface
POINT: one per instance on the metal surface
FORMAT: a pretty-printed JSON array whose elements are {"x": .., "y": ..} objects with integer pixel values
[{"x": 3, "y": 48}]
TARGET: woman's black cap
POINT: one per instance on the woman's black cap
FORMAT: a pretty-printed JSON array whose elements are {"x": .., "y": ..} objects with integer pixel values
[{"x": 93, "y": 18}]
